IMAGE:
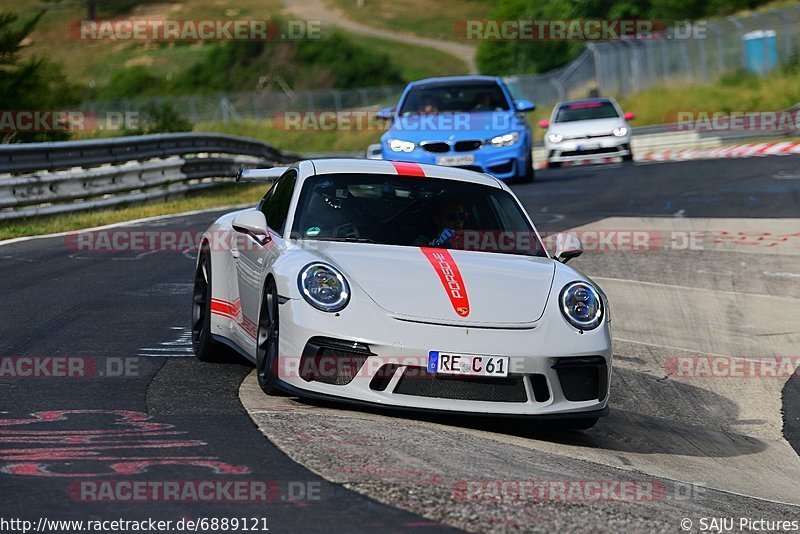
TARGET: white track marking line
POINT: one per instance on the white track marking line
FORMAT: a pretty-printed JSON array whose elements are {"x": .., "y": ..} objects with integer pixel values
[
  {"x": 122, "y": 223},
  {"x": 730, "y": 356},
  {"x": 693, "y": 351},
  {"x": 690, "y": 288},
  {"x": 781, "y": 274}
]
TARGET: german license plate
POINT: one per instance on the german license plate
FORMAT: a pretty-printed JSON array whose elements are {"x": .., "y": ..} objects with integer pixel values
[
  {"x": 450, "y": 161},
  {"x": 467, "y": 364}
]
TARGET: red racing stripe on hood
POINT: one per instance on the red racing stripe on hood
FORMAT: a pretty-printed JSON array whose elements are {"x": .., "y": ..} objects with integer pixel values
[
  {"x": 404, "y": 168},
  {"x": 447, "y": 269}
]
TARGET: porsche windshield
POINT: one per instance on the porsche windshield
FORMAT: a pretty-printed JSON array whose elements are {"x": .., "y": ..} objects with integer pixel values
[{"x": 410, "y": 211}]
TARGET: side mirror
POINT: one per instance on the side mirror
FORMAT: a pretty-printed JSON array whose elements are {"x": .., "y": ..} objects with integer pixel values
[
  {"x": 385, "y": 113},
  {"x": 629, "y": 116},
  {"x": 544, "y": 124},
  {"x": 252, "y": 223},
  {"x": 374, "y": 151},
  {"x": 568, "y": 246},
  {"x": 524, "y": 105}
]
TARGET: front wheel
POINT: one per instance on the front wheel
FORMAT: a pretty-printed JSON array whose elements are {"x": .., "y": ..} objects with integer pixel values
[
  {"x": 629, "y": 156},
  {"x": 205, "y": 348},
  {"x": 268, "y": 338},
  {"x": 553, "y": 164}
]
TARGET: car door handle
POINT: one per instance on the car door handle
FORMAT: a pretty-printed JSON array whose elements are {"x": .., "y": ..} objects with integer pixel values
[{"x": 235, "y": 252}]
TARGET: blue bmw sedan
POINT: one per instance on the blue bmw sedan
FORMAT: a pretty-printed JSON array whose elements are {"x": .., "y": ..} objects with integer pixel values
[{"x": 471, "y": 122}]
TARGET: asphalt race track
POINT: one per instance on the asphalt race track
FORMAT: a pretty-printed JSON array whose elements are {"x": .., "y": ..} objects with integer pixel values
[{"x": 709, "y": 446}]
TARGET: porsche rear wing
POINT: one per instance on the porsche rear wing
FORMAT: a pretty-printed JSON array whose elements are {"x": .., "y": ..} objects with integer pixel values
[{"x": 259, "y": 175}]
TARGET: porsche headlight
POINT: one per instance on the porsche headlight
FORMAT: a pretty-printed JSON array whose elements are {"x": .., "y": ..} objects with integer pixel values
[
  {"x": 620, "y": 132},
  {"x": 504, "y": 140},
  {"x": 555, "y": 138},
  {"x": 581, "y": 305},
  {"x": 324, "y": 287},
  {"x": 398, "y": 145}
]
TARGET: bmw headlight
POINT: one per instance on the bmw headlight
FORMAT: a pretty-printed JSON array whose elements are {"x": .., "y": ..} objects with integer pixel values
[
  {"x": 621, "y": 131},
  {"x": 581, "y": 305},
  {"x": 555, "y": 138},
  {"x": 398, "y": 145},
  {"x": 504, "y": 140},
  {"x": 324, "y": 287}
]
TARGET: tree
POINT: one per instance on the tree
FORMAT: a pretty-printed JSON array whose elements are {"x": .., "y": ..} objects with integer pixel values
[{"x": 29, "y": 84}]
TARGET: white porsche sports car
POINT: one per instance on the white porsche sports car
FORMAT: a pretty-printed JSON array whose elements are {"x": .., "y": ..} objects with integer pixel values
[{"x": 403, "y": 285}]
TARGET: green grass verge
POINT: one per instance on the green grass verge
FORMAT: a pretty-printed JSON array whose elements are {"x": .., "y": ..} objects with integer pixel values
[
  {"x": 738, "y": 91},
  {"x": 225, "y": 195},
  {"x": 420, "y": 17},
  {"x": 94, "y": 62},
  {"x": 733, "y": 92},
  {"x": 87, "y": 61},
  {"x": 304, "y": 141},
  {"x": 414, "y": 61}
]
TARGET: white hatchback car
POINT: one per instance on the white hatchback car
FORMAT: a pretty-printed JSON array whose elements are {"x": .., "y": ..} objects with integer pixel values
[{"x": 587, "y": 129}]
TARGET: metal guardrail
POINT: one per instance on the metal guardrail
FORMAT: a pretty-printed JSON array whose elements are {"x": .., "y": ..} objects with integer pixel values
[
  {"x": 48, "y": 178},
  {"x": 32, "y": 157}
]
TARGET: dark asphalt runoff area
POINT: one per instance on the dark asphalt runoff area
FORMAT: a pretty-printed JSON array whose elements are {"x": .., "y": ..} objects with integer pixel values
[{"x": 148, "y": 411}]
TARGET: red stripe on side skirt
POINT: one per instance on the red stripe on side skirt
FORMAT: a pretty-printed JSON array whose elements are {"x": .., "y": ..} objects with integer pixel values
[{"x": 233, "y": 310}]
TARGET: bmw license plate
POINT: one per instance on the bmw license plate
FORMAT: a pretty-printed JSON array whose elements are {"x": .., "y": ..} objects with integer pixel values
[
  {"x": 467, "y": 364},
  {"x": 450, "y": 161}
]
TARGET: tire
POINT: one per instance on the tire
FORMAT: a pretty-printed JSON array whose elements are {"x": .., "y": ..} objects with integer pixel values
[
  {"x": 553, "y": 164},
  {"x": 267, "y": 343},
  {"x": 205, "y": 348},
  {"x": 578, "y": 423},
  {"x": 529, "y": 175},
  {"x": 629, "y": 157}
]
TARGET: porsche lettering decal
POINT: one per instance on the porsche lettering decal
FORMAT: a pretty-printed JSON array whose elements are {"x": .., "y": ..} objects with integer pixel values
[{"x": 450, "y": 276}]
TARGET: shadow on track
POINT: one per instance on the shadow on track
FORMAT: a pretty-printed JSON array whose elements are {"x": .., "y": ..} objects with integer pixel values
[{"x": 624, "y": 430}]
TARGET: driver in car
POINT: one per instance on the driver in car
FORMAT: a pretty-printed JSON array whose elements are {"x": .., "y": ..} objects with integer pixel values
[{"x": 448, "y": 219}]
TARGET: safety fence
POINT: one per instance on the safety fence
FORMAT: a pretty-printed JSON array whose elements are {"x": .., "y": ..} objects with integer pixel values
[{"x": 757, "y": 42}]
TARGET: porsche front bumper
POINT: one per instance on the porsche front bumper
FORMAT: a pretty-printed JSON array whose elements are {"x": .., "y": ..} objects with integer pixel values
[{"x": 386, "y": 360}]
